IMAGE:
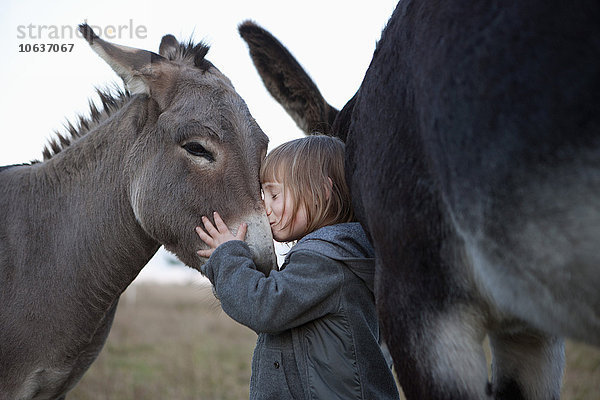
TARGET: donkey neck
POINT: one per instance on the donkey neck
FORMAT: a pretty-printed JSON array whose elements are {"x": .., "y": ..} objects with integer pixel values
[{"x": 98, "y": 244}]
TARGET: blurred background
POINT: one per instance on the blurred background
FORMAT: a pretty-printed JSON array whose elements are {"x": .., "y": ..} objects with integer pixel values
[{"x": 170, "y": 339}]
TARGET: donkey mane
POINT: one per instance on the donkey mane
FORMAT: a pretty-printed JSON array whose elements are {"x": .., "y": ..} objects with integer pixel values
[
  {"x": 111, "y": 102},
  {"x": 114, "y": 98}
]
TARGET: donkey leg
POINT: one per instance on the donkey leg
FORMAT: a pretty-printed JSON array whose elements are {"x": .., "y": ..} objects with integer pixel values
[
  {"x": 527, "y": 365},
  {"x": 449, "y": 362},
  {"x": 437, "y": 354}
]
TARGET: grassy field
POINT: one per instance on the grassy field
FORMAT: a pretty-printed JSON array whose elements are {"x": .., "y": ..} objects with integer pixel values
[{"x": 174, "y": 342}]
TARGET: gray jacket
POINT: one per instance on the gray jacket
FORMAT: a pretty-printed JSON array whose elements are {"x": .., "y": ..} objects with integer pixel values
[{"x": 315, "y": 317}]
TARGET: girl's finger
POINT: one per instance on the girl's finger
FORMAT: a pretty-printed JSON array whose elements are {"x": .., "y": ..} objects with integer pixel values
[
  {"x": 206, "y": 238},
  {"x": 205, "y": 253},
  {"x": 241, "y": 233},
  {"x": 221, "y": 227},
  {"x": 212, "y": 231}
]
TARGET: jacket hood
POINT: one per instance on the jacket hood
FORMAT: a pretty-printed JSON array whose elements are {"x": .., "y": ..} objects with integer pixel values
[{"x": 346, "y": 243}]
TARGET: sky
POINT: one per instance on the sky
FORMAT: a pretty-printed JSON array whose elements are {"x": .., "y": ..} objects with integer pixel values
[{"x": 334, "y": 41}]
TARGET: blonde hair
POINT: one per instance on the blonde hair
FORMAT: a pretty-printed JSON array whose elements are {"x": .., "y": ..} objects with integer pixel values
[{"x": 311, "y": 170}]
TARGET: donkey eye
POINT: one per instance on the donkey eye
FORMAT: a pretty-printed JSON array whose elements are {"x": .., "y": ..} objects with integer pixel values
[{"x": 196, "y": 149}]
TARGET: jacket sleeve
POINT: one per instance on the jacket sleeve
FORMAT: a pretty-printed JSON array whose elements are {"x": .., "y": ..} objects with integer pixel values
[{"x": 307, "y": 289}]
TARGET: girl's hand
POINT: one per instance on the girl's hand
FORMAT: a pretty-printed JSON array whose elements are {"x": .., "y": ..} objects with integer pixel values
[{"x": 216, "y": 236}]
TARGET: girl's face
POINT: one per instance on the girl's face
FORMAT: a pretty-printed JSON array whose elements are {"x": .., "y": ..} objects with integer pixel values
[{"x": 279, "y": 211}]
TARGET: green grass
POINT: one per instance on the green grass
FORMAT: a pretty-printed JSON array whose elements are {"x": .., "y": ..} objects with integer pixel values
[{"x": 175, "y": 343}]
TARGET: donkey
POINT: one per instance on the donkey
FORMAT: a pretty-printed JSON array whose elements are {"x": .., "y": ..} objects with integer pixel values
[
  {"x": 473, "y": 156},
  {"x": 77, "y": 228}
]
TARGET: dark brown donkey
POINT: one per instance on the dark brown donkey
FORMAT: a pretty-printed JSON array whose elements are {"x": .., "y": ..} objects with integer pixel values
[
  {"x": 473, "y": 156},
  {"x": 77, "y": 228}
]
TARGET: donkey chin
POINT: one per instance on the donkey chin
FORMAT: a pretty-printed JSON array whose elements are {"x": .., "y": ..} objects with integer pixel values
[{"x": 258, "y": 237}]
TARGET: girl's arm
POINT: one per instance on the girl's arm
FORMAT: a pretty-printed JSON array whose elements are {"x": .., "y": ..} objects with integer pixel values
[{"x": 305, "y": 290}]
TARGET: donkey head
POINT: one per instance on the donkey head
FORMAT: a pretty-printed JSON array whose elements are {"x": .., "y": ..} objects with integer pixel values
[{"x": 197, "y": 150}]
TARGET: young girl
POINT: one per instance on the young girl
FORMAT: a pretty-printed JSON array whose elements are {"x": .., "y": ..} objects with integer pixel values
[{"x": 318, "y": 336}]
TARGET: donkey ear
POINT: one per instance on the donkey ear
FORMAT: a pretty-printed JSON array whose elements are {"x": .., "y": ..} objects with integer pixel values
[
  {"x": 138, "y": 68},
  {"x": 168, "y": 46},
  {"x": 287, "y": 81}
]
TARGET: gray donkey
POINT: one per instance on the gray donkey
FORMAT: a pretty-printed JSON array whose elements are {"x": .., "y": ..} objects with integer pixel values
[{"x": 77, "y": 228}]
